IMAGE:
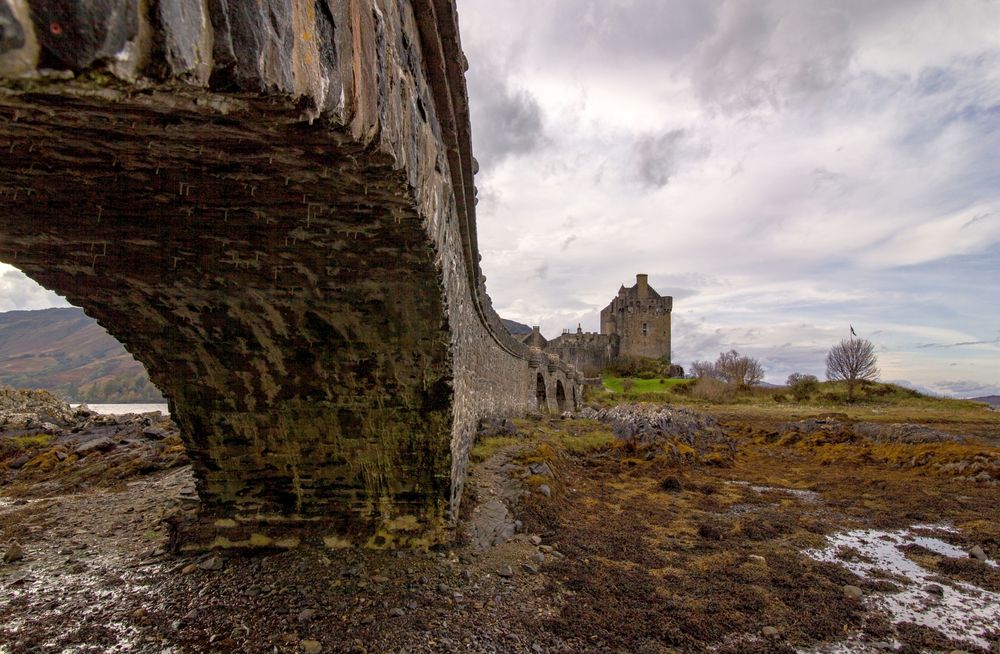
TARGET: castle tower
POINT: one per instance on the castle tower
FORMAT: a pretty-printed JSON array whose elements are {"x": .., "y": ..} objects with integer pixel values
[{"x": 641, "y": 318}]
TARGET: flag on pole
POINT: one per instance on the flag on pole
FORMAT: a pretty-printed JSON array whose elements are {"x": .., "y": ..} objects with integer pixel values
[{"x": 852, "y": 331}]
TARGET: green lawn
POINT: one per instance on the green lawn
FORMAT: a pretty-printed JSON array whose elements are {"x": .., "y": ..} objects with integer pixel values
[{"x": 614, "y": 384}]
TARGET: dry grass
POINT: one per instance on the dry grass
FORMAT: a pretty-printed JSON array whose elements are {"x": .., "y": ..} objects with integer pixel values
[{"x": 667, "y": 554}]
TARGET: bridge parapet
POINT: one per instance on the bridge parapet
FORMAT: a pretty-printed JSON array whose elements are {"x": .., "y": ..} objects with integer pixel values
[{"x": 271, "y": 205}]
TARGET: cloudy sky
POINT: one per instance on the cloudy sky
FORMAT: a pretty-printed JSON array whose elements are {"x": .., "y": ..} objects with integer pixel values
[{"x": 783, "y": 168}]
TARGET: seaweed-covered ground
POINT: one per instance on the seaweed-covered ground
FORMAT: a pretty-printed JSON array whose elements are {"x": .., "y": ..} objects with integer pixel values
[{"x": 646, "y": 528}]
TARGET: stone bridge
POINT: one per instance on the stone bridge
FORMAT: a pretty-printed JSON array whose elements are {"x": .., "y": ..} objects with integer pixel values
[{"x": 271, "y": 204}]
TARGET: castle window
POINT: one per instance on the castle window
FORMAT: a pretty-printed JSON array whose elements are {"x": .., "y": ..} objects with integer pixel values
[{"x": 645, "y": 329}]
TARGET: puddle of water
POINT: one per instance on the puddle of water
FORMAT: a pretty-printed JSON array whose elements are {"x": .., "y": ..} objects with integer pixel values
[{"x": 964, "y": 612}]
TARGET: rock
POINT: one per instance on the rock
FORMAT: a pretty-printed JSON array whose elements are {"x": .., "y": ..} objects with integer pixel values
[
  {"x": 102, "y": 444},
  {"x": 189, "y": 568},
  {"x": 853, "y": 592},
  {"x": 213, "y": 562},
  {"x": 14, "y": 553},
  {"x": 541, "y": 469},
  {"x": 504, "y": 533},
  {"x": 397, "y": 612},
  {"x": 530, "y": 569},
  {"x": 311, "y": 646},
  {"x": 506, "y": 572},
  {"x": 977, "y": 553},
  {"x": 769, "y": 632},
  {"x": 538, "y": 557},
  {"x": 19, "y": 462},
  {"x": 757, "y": 558},
  {"x": 305, "y": 615},
  {"x": 934, "y": 589},
  {"x": 139, "y": 613},
  {"x": 155, "y": 433},
  {"x": 671, "y": 485},
  {"x": 545, "y": 490},
  {"x": 535, "y": 539}
]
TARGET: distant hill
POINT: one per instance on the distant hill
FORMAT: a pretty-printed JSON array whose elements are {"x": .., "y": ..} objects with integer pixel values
[
  {"x": 515, "y": 328},
  {"x": 67, "y": 352},
  {"x": 992, "y": 400}
]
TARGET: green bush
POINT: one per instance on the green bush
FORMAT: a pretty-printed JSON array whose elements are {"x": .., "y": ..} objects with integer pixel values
[{"x": 802, "y": 386}]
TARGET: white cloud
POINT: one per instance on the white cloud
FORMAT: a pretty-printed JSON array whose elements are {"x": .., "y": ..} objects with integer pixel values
[
  {"x": 17, "y": 291},
  {"x": 845, "y": 153}
]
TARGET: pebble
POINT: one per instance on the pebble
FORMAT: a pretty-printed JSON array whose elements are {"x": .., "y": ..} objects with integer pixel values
[
  {"x": 14, "y": 553},
  {"x": 538, "y": 557},
  {"x": 545, "y": 490},
  {"x": 769, "y": 632},
  {"x": 535, "y": 539},
  {"x": 311, "y": 646},
  {"x": 189, "y": 568},
  {"x": 757, "y": 558},
  {"x": 853, "y": 592},
  {"x": 396, "y": 612},
  {"x": 212, "y": 563},
  {"x": 305, "y": 615},
  {"x": 530, "y": 569},
  {"x": 505, "y": 572},
  {"x": 977, "y": 553}
]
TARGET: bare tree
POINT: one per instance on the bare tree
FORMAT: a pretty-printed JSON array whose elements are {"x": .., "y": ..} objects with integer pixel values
[
  {"x": 704, "y": 370},
  {"x": 853, "y": 360},
  {"x": 731, "y": 367},
  {"x": 741, "y": 370}
]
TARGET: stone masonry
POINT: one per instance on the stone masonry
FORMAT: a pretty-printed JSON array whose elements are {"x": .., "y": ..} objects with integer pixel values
[
  {"x": 271, "y": 205},
  {"x": 635, "y": 324}
]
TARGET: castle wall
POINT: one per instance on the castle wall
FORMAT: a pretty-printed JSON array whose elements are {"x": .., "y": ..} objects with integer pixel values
[
  {"x": 587, "y": 352},
  {"x": 644, "y": 328}
]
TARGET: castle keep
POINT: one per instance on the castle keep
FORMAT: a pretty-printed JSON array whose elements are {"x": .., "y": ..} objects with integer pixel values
[{"x": 635, "y": 324}]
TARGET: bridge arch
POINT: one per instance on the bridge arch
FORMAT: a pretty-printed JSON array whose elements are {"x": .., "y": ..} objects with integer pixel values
[
  {"x": 541, "y": 396},
  {"x": 284, "y": 237},
  {"x": 561, "y": 404}
]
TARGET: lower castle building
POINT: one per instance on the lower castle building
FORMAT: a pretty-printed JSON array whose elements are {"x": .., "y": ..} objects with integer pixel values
[{"x": 635, "y": 324}]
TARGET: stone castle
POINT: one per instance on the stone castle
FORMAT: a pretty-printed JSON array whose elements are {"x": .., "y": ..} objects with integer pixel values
[{"x": 635, "y": 324}]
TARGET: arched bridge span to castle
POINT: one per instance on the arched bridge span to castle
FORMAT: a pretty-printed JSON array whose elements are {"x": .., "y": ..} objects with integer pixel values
[{"x": 271, "y": 204}]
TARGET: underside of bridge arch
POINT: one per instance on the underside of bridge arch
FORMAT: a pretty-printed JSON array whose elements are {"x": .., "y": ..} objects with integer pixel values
[
  {"x": 280, "y": 289},
  {"x": 271, "y": 205}
]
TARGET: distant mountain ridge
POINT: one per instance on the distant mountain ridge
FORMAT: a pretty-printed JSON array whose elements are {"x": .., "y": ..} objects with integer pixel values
[
  {"x": 992, "y": 400},
  {"x": 67, "y": 352},
  {"x": 515, "y": 327}
]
